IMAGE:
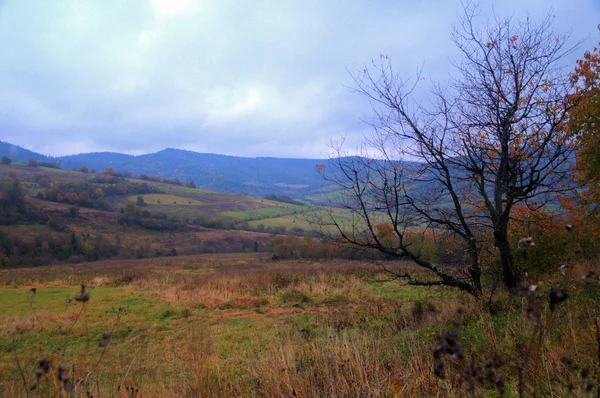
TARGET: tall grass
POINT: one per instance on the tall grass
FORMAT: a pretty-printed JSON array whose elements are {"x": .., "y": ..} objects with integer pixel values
[{"x": 243, "y": 326}]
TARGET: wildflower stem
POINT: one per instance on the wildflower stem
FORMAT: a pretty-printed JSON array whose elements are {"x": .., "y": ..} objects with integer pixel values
[
  {"x": 30, "y": 301},
  {"x": 21, "y": 372}
]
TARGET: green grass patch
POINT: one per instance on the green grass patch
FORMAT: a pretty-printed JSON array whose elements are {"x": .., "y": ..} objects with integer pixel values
[
  {"x": 186, "y": 190},
  {"x": 56, "y": 170},
  {"x": 288, "y": 222}
]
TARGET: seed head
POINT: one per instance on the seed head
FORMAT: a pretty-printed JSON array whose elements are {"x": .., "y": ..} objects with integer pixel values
[
  {"x": 82, "y": 295},
  {"x": 557, "y": 296},
  {"x": 587, "y": 276},
  {"x": 44, "y": 365},
  {"x": 440, "y": 370},
  {"x": 104, "y": 340}
]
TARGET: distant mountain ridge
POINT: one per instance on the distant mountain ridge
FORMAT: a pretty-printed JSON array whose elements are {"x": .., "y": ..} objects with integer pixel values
[{"x": 257, "y": 176}]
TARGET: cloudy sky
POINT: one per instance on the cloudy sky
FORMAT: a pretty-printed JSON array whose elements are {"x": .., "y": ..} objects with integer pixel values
[{"x": 245, "y": 77}]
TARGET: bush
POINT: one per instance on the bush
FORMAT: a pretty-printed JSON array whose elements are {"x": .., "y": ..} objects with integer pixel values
[
  {"x": 74, "y": 210},
  {"x": 56, "y": 225}
]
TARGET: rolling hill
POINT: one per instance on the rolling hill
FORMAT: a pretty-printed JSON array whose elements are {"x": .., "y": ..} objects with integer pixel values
[{"x": 255, "y": 176}]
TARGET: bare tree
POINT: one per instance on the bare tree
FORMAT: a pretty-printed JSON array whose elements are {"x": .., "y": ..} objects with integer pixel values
[{"x": 489, "y": 139}]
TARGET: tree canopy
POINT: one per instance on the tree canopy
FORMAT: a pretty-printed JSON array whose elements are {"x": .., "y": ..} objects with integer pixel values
[
  {"x": 584, "y": 125},
  {"x": 492, "y": 137}
]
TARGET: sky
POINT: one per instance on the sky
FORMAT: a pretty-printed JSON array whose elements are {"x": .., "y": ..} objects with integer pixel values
[{"x": 246, "y": 78}]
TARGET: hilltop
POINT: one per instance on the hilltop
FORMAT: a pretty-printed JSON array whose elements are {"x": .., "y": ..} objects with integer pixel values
[{"x": 254, "y": 176}]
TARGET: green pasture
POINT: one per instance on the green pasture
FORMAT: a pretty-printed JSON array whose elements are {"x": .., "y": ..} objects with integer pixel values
[
  {"x": 288, "y": 222},
  {"x": 187, "y": 190}
]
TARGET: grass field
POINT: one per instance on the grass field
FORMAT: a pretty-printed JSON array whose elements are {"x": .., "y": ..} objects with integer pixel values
[
  {"x": 240, "y": 325},
  {"x": 288, "y": 222},
  {"x": 165, "y": 199},
  {"x": 276, "y": 210},
  {"x": 186, "y": 190}
]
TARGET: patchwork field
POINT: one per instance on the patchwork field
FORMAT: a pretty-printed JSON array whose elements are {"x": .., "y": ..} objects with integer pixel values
[{"x": 184, "y": 203}]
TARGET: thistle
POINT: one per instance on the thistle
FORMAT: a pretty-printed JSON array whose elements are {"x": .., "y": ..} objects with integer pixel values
[{"x": 82, "y": 295}]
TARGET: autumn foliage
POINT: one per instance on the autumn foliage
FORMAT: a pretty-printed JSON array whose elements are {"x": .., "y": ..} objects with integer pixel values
[{"x": 584, "y": 125}]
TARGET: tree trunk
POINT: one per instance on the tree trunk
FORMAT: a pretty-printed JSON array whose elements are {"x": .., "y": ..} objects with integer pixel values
[{"x": 509, "y": 274}]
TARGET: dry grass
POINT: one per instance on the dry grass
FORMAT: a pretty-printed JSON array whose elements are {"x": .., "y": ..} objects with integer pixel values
[{"x": 238, "y": 325}]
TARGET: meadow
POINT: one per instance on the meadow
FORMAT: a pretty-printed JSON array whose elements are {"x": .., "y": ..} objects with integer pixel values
[
  {"x": 165, "y": 199},
  {"x": 272, "y": 315},
  {"x": 275, "y": 209},
  {"x": 244, "y": 325}
]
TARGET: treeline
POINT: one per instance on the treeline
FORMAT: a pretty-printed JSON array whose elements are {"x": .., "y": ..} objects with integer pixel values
[
  {"x": 284, "y": 247},
  {"x": 32, "y": 162},
  {"x": 121, "y": 174},
  {"x": 132, "y": 215},
  {"x": 172, "y": 181},
  {"x": 91, "y": 193},
  {"x": 440, "y": 248},
  {"x": 284, "y": 199},
  {"x": 49, "y": 248},
  {"x": 44, "y": 249},
  {"x": 13, "y": 206},
  {"x": 541, "y": 241}
]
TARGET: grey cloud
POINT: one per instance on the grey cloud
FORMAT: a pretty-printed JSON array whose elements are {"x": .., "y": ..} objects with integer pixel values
[{"x": 257, "y": 78}]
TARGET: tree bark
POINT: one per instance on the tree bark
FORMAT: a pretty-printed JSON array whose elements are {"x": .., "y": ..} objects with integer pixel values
[{"x": 509, "y": 274}]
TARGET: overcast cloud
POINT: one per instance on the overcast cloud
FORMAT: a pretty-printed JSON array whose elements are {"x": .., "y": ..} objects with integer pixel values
[{"x": 248, "y": 78}]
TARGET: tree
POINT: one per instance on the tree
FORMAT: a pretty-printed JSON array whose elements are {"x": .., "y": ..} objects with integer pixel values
[
  {"x": 584, "y": 125},
  {"x": 74, "y": 210},
  {"x": 6, "y": 160},
  {"x": 12, "y": 195},
  {"x": 32, "y": 162},
  {"x": 140, "y": 201},
  {"x": 493, "y": 137}
]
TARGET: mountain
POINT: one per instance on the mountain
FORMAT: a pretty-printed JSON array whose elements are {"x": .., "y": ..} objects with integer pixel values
[
  {"x": 19, "y": 154},
  {"x": 256, "y": 176},
  {"x": 96, "y": 160}
]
